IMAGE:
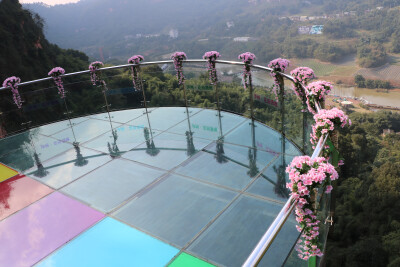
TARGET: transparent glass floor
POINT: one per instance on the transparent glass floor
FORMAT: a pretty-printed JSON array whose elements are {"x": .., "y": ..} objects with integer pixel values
[{"x": 201, "y": 186}]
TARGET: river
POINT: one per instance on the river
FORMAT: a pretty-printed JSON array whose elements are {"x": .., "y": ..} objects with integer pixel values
[{"x": 392, "y": 98}]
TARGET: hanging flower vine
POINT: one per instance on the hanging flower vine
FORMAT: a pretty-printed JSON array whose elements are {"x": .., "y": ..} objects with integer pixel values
[
  {"x": 305, "y": 175},
  {"x": 316, "y": 93},
  {"x": 95, "y": 73},
  {"x": 211, "y": 57},
  {"x": 55, "y": 73},
  {"x": 277, "y": 65},
  {"x": 136, "y": 59},
  {"x": 13, "y": 82},
  {"x": 325, "y": 122},
  {"x": 247, "y": 59},
  {"x": 178, "y": 58},
  {"x": 301, "y": 75}
]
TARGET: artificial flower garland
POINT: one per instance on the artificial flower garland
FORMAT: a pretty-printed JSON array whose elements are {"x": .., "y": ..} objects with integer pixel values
[
  {"x": 13, "y": 82},
  {"x": 301, "y": 76},
  {"x": 178, "y": 58},
  {"x": 277, "y": 65},
  {"x": 305, "y": 175},
  {"x": 247, "y": 59},
  {"x": 325, "y": 122},
  {"x": 211, "y": 57},
  {"x": 95, "y": 74},
  {"x": 316, "y": 93},
  {"x": 55, "y": 73},
  {"x": 136, "y": 59}
]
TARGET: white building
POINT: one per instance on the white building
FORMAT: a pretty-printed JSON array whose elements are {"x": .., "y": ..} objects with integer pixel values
[
  {"x": 241, "y": 39},
  {"x": 173, "y": 33}
]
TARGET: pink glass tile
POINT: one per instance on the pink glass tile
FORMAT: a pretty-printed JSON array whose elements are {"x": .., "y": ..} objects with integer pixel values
[
  {"x": 18, "y": 192},
  {"x": 39, "y": 229}
]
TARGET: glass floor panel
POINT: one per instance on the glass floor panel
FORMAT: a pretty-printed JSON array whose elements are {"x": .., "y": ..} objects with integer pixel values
[
  {"x": 186, "y": 260},
  {"x": 59, "y": 126},
  {"x": 175, "y": 209},
  {"x": 166, "y": 150},
  {"x": 206, "y": 124},
  {"x": 112, "y": 243},
  {"x": 85, "y": 131},
  {"x": 6, "y": 172},
  {"x": 109, "y": 186},
  {"x": 234, "y": 167},
  {"x": 67, "y": 167},
  {"x": 163, "y": 118},
  {"x": 18, "y": 192},
  {"x": 121, "y": 140},
  {"x": 34, "y": 149},
  {"x": 260, "y": 136},
  {"x": 209, "y": 195},
  {"x": 233, "y": 236},
  {"x": 122, "y": 116},
  {"x": 39, "y": 229},
  {"x": 272, "y": 182}
]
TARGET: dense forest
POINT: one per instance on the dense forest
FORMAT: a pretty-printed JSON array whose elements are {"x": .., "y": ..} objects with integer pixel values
[
  {"x": 25, "y": 51},
  {"x": 367, "y": 222},
  {"x": 201, "y": 28}
]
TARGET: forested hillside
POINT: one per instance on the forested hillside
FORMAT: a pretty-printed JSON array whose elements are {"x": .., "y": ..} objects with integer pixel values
[
  {"x": 113, "y": 30},
  {"x": 367, "y": 221},
  {"x": 25, "y": 51}
]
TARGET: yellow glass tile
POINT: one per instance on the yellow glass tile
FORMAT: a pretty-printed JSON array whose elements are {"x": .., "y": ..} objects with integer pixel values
[{"x": 6, "y": 172}]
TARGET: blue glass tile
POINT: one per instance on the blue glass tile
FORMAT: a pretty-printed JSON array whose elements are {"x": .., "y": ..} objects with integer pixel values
[{"x": 112, "y": 243}]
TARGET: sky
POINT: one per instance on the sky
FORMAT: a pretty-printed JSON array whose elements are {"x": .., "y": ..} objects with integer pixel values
[{"x": 49, "y": 2}]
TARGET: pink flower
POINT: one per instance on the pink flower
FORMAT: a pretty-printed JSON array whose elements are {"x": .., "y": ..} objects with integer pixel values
[
  {"x": 13, "y": 82},
  {"x": 136, "y": 59},
  {"x": 178, "y": 58},
  {"x": 56, "y": 73},
  {"x": 247, "y": 59},
  {"x": 212, "y": 56},
  {"x": 95, "y": 74},
  {"x": 277, "y": 65}
]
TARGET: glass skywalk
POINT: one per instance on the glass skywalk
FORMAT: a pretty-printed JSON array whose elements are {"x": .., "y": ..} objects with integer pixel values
[{"x": 144, "y": 191}]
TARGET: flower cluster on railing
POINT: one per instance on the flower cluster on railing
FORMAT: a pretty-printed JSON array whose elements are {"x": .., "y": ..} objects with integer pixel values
[
  {"x": 136, "y": 59},
  {"x": 277, "y": 65},
  {"x": 247, "y": 59},
  {"x": 95, "y": 74},
  {"x": 178, "y": 58},
  {"x": 56, "y": 73},
  {"x": 306, "y": 175},
  {"x": 13, "y": 82},
  {"x": 316, "y": 93},
  {"x": 301, "y": 76},
  {"x": 325, "y": 122},
  {"x": 211, "y": 57}
]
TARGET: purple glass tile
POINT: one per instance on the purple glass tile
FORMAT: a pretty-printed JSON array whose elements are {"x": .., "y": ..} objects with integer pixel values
[{"x": 36, "y": 231}]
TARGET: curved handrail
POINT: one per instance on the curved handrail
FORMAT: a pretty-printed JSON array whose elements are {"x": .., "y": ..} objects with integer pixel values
[
  {"x": 265, "y": 242},
  {"x": 148, "y": 64}
]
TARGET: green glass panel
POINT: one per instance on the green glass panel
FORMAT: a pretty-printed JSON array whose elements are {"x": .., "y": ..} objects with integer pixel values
[{"x": 185, "y": 260}]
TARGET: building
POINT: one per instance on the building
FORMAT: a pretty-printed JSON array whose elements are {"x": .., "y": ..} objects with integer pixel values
[
  {"x": 316, "y": 29},
  {"x": 304, "y": 30},
  {"x": 174, "y": 33}
]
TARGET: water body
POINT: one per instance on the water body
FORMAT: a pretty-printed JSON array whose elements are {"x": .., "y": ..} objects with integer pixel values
[{"x": 391, "y": 98}]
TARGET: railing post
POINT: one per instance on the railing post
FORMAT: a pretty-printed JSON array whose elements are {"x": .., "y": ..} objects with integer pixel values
[
  {"x": 251, "y": 98},
  {"x": 281, "y": 98},
  {"x": 75, "y": 143},
  {"x": 145, "y": 101}
]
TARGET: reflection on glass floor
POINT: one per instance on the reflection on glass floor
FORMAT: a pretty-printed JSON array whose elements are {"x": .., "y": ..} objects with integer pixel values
[{"x": 199, "y": 183}]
